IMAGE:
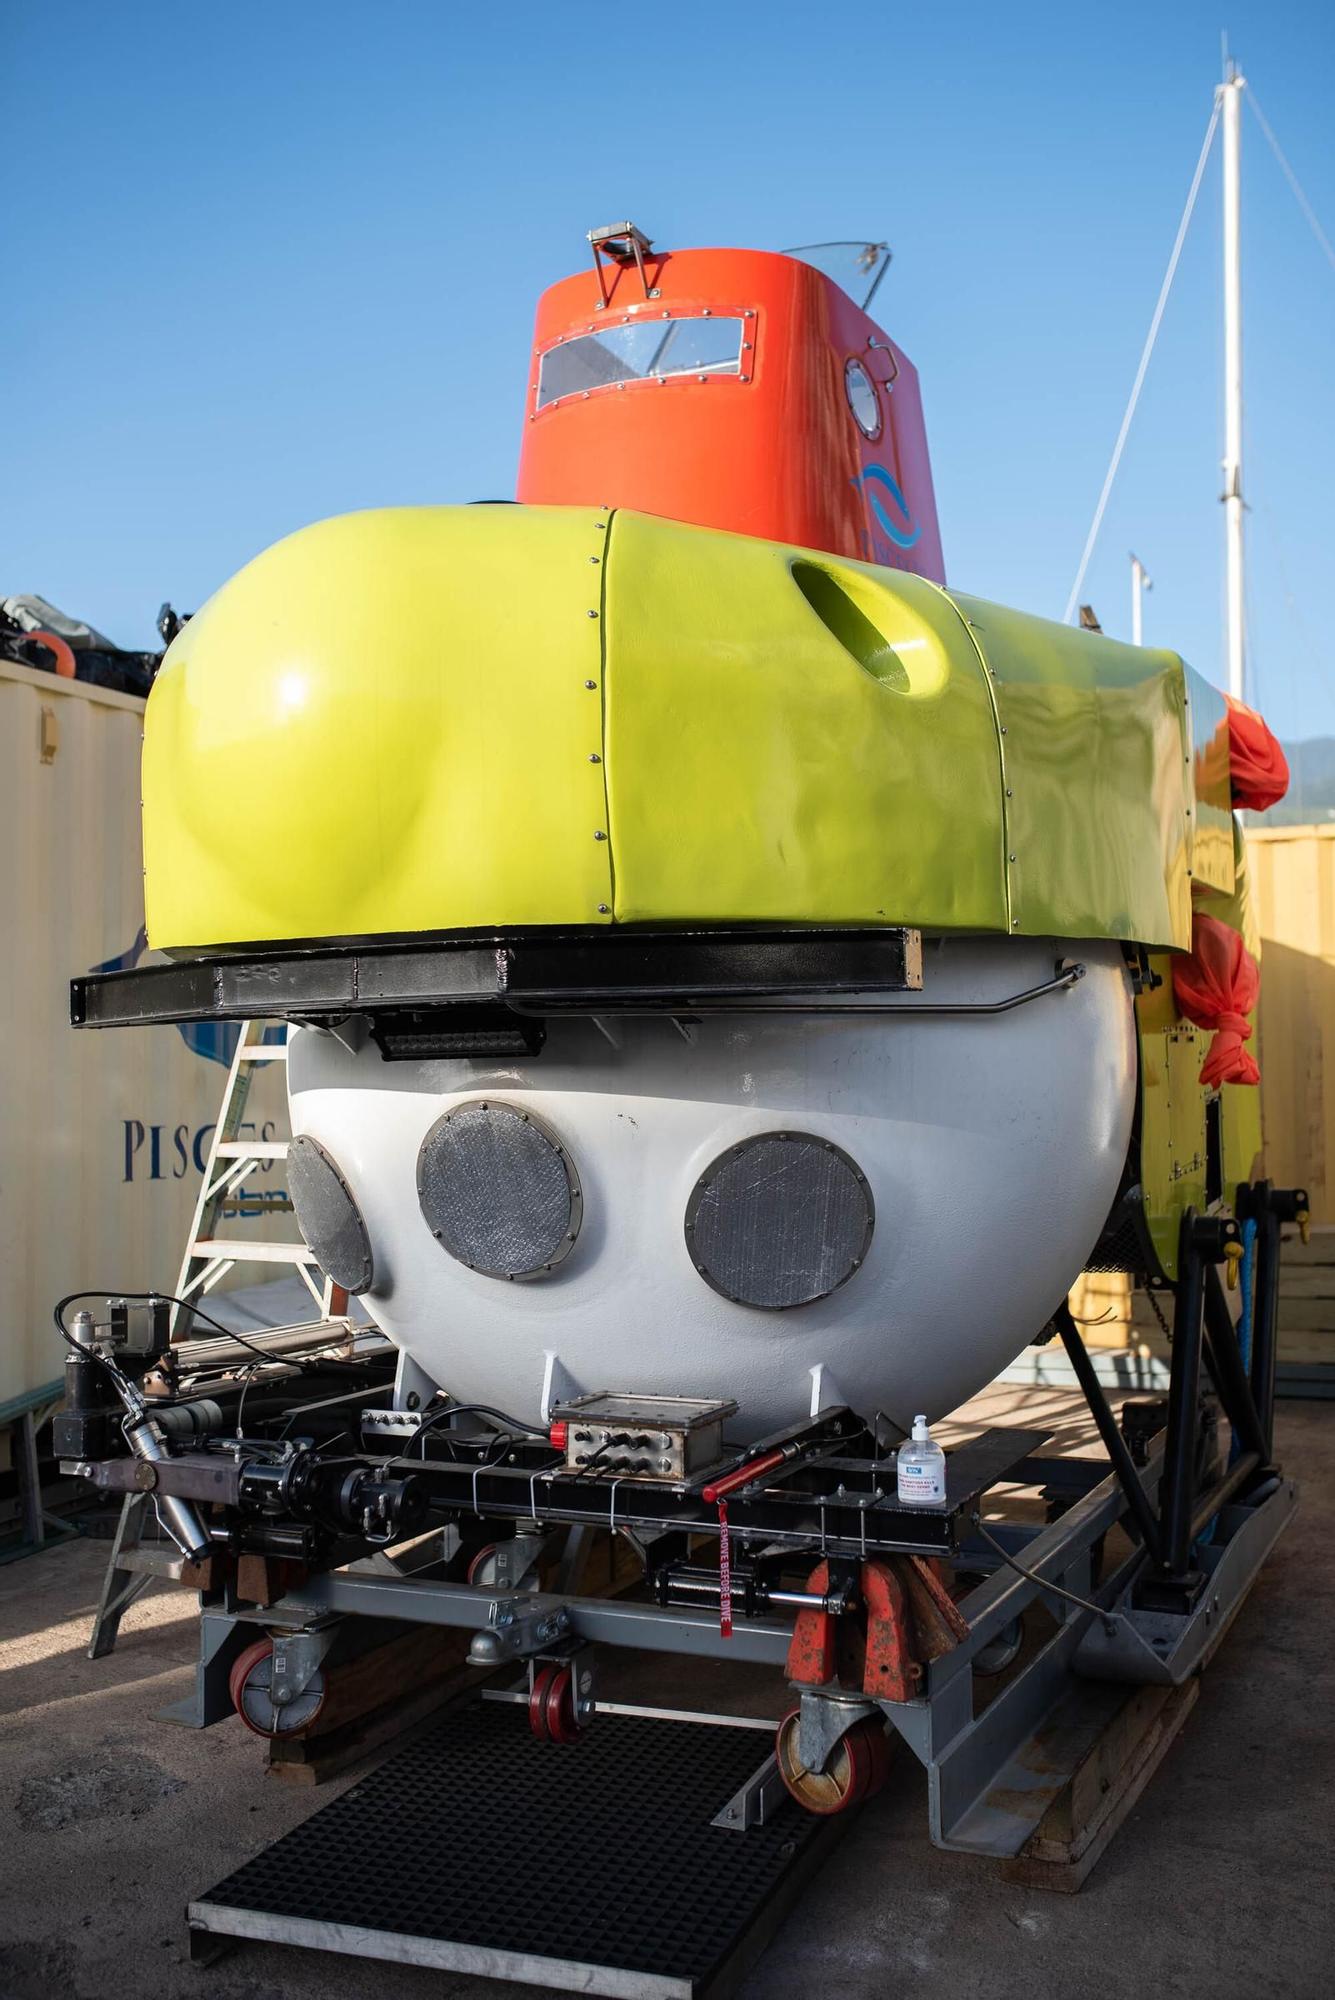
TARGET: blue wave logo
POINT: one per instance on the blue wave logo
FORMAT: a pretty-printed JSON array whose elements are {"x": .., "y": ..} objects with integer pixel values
[{"x": 874, "y": 476}]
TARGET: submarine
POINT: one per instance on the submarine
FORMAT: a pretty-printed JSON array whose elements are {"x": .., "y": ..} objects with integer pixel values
[
  {"x": 735, "y": 981},
  {"x": 849, "y": 887}
]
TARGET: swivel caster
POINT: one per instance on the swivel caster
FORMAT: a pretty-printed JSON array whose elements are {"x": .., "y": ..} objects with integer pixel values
[
  {"x": 551, "y": 1706},
  {"x": 507, "y": 1566},
  {"x": 250, "y": 1685},
  {"x": 858, "y": 1766},
  {"x": 477, "y": 1563}
]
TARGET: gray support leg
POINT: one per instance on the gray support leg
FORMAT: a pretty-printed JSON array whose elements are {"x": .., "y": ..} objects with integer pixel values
[
  {"x": 38, "y": 1522},
  {"x": 30, "y": 1482},
  {"x": 122, "y": 1585},
  {"x": 221, "y": 1638}
]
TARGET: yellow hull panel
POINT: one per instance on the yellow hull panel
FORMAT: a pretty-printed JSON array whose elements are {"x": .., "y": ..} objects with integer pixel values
[
  {"x": 758, "y": 770},
  {"x": 382, "y": 726},
  {"x": 484, "y": 718}
]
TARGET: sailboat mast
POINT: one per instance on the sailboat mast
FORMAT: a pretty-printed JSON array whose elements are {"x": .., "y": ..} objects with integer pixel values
[{"x": 1230, "y": 92}]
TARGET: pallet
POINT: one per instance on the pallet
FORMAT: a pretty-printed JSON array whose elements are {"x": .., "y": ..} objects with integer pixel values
[
  {"x": 372, "y": 1700},
  {"x": 1103, "y": 1789}
]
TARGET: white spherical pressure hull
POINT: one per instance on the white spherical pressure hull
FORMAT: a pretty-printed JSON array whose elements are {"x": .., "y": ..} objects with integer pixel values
[{"x": 992, "y": 1147}]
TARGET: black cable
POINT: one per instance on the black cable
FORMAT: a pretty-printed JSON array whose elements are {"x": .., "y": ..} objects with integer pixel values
[
  {"x": 488, "y": 1446},
  {"x": 170, "y": 1299},
  {"x": 515, "y": 1424},
  {"x": 511, "y": 1430},
  {"x": 490, "y": 1455},
  {"x": 1031, "y": 1576},
  {"x": 594, "y": 1457},
  {"x": 119, "y": 1380},
  {"x": 325, "y": 1403},
  {"x": 247, "y": 1377},
  {"x": 493, "y": 1455},
  {"x": 228, "y": 1333}
]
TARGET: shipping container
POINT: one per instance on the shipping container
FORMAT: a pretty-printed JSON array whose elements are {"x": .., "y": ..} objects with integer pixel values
[
  {"x": 103, "y": 1137},
  {"x": 1292, "y": 870}
]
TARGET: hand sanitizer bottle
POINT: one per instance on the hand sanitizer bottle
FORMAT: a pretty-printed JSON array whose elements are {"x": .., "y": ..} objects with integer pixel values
[{"x": 921, "y": 1469}]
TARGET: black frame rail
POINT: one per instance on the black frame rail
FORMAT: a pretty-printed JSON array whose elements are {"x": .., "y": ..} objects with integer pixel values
[
  {"x": 840, "y": 1497},
  {"x": 559, "y": 970},
  {"x": 1204, "y": 1340}
]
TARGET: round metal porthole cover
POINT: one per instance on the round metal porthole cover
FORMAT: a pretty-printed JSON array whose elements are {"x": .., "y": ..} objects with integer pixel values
[
  {"x": 327, "y": 1216},
  {"x": 498, "y": 1190},
  {"x": 863, "y": 400},
  {"x": 780, "y": 1220}
]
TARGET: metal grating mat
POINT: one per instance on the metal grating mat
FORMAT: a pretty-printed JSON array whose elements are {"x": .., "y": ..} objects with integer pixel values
[{"x": 600, "y": 1854}]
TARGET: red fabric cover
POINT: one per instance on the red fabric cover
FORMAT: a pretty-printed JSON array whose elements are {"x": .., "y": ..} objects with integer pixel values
[
  {"x": 1216, "y": 986},
  {"x": 1258, "y": 768}
]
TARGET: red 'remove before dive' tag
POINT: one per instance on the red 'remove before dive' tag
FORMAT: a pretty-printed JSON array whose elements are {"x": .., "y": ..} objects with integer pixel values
[{"x": 724, "y": 1573}]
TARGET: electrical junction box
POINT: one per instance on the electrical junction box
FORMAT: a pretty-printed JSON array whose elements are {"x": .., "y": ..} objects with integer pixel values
[{"x": 642, "y": 1437}]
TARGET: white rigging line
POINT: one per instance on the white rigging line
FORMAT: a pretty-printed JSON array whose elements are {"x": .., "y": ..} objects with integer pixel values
[
  {"x": 1292, "y": 179},
  {"x": 1148, "y": 350}
]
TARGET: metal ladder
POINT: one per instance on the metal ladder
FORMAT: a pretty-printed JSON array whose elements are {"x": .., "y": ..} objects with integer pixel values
[
  {"x": 134, "y": 1564},
  {"x": 232, "y": 1159}
]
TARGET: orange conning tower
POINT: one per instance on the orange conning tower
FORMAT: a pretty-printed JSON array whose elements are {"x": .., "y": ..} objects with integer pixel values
[{"x": 735, "y": 389}]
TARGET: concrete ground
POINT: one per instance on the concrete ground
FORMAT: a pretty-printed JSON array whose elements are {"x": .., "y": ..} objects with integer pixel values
[{"x": 1218, "y": 1885}]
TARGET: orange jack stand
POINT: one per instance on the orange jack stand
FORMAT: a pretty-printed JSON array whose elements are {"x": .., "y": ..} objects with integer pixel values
[{"x": 907, "y": 1618}]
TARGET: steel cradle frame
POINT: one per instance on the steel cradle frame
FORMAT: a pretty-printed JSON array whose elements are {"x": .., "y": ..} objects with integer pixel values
[{"x": 1156, "y": 1617}]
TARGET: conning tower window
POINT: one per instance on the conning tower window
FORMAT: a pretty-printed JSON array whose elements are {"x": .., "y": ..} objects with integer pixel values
[{"x": 640, "y": 351}]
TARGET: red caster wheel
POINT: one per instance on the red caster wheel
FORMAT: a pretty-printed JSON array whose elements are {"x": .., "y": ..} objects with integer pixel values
[
  {"x": 858, "y": 1767},
  {"x": 474, "y": 1570},
  {"x": 481, "y": 1571},
  {"x": 250, "y": 1685},
  {"x": 551, "y": 1706}
]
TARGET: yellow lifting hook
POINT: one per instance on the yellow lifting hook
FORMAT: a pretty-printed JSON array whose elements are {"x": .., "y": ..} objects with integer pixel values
[{"x": 1232, "y": 1258}]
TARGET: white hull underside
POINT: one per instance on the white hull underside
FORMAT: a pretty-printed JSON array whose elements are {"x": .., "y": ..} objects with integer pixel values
[{"x": 992, "y": 1149}]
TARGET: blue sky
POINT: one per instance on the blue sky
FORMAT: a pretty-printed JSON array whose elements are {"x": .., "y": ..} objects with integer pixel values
[{"x": 271, "y": 262}]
